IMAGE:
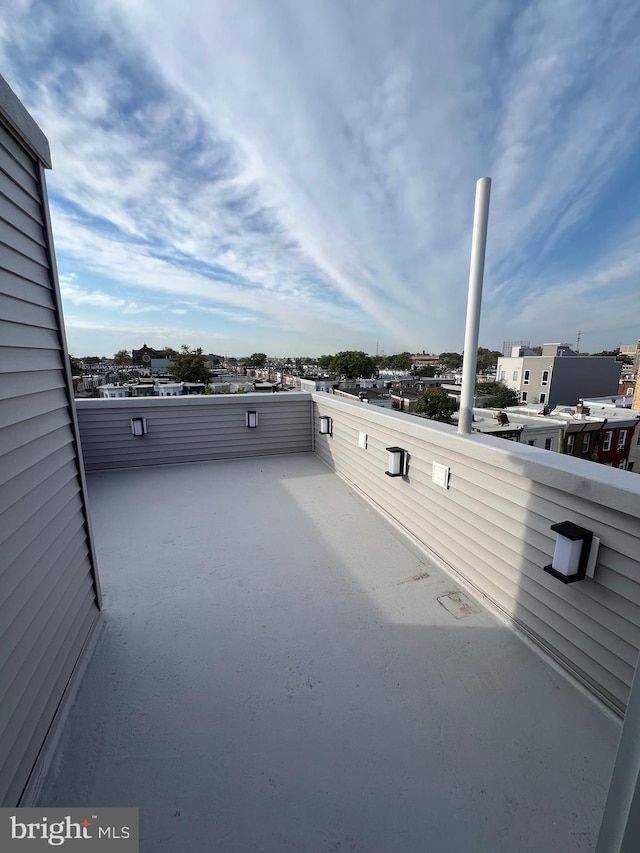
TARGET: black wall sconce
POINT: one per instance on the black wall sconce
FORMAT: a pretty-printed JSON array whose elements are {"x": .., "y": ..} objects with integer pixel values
[
  {"x": 326, "y": 425},
  {"x": 397, "y": 462},
  {"x": 251, "y": 419},
  {"x": 138, "y": 427},
  {"x": 575, "y": 554}
]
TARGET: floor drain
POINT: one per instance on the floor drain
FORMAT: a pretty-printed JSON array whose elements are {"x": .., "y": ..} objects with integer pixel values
[{"x": 458, "y": 604}]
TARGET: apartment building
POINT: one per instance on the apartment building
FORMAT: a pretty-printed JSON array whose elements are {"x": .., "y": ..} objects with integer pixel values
[{"x": 558, "y": 376}]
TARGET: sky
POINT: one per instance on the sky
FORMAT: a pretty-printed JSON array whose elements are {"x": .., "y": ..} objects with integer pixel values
[{"x": 298, "y": 178}]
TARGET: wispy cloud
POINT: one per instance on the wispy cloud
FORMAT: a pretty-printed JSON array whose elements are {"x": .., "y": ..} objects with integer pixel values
[
  {"x": 75, "y": 295},
  {"x": 302, "y": 174}
]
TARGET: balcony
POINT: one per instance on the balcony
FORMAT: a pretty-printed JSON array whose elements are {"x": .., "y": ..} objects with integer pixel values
[{"x": 297, "y": 652}]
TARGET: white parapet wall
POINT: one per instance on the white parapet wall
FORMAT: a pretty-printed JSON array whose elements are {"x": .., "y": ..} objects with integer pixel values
[
  {"x": 491, "y": 527},
  {"x": 192, "y": 429}
]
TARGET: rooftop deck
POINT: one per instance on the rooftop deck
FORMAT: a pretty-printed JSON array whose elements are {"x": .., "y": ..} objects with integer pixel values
[{"x": 277, "y": 668}]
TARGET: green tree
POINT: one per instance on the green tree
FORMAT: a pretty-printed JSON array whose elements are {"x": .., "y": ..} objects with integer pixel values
[
  {"x": 502, "y": 395},
  {"x": 451, "y": 360},
  {"x": 324, "y": 361},
  {"x": 74, "y": 364},
  {"x": 607, "y": 352},
  {"x": 436, "y": 404},
  {"x": 91, "y": 359},
  {"x": 190, "y": 366},
  {"x": 487, "y": 359},
  {"x": 258, "y": 359},
  {"x": 122, "y": 357},
  {"x": 352, "y": 364},
  {"x": 401, "y": 361},
  {"x": 424, "y": 370}
]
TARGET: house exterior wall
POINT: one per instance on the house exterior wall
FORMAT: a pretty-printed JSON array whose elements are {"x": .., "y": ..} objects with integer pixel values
[
  {"x": 633, "y": 461},
  {"x": 509, "y": 371},
  {"x": 615, "y": 443},
  {"x": 577, "y": 377},
  {"x": 50, "y": 592},
  {"x": 491, "y": 528},
  {"x": 582, "y": 440},
  {"x": 542, "y": 435}
]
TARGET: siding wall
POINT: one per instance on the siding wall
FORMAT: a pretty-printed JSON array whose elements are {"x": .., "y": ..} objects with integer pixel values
[
  {"x": 49, "y": 595},
  {"x": 192, "y": 429},
  {"x": 491, "y": 527}
]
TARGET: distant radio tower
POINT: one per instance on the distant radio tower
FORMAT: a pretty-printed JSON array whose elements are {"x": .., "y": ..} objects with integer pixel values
[{"x": 578, "y": 341}]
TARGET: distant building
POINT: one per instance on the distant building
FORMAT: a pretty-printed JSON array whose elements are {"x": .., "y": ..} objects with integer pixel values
[
  {"x": 114, "y": 391},
  {"x": 169, "y": 389},
  {"x": 632, "y": 351},
  {"x": 424, "y": 360},
  {"x": 143, "y": 356},
  {"x": 320, "y": 383},
  {"x": 599, "y": 433},
  {"x": 627, "y": 387},
  {"x": 538, "y": 430},
  {"x": 558, "y": 376},
  {"x": 635, "y": 404}
]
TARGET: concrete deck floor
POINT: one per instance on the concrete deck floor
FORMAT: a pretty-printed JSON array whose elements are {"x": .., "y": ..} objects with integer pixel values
[{"x": 274, "y": 672}]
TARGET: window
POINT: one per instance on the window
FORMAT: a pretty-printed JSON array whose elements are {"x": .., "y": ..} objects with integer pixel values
[
  {"x": 503, "y": 375},
  {"x": 515, "y": 375},
  {"x": 630, "y": 466},
  {"x": 606, "y": 444},
  {"x": 543, "y": 397},
  {"x": 545, "y": 377},
  {"x": 586, "y": 441},
  {"x": 523, "y": 397},
  {"x": 525, "y": 378},
  {"x": 622, "y": 465},
  {"x": 532, "y": 443},
  {"x": 569, "y": 443},
  {"x": 547, "y": 444},
  {"x": 622, "y": 439}
]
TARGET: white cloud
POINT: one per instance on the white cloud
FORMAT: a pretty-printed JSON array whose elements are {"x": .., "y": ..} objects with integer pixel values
[
  {"x": 75, "y": 295},
  {"x": 309, "y": 169}
]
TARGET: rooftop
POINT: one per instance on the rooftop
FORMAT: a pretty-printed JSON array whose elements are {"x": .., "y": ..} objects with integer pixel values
[
  {"x": 276, "y": 666},
  {"x": 279, "y": 668}
]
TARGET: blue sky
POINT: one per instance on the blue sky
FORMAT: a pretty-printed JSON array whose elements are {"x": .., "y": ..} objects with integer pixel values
[{"x": 298, "y": 177}]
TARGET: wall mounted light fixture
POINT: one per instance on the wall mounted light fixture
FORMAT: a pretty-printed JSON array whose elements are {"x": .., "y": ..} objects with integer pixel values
[
  {"x": 397, "y": 462},
  {"x": 575, "y": 554},
  {"x": 138, "y": 427},
  {"x": 326, "y": 425},
  {"x": 251, "y": 419}
]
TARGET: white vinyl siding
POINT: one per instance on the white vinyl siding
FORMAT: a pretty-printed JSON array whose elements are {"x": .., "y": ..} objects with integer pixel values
[
  {"x": 192, "y": 429},
  {"x": 50, "y": 595},
  {"x": 492, "y": 527}
]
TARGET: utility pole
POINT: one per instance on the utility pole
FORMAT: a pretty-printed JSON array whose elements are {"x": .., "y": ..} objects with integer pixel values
[
  {"x": 476, "y": 275},
  {"x": 578, "y": 340}
]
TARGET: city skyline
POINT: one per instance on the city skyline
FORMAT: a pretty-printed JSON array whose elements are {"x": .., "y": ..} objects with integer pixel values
[{"x": 300, "y": 178}]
